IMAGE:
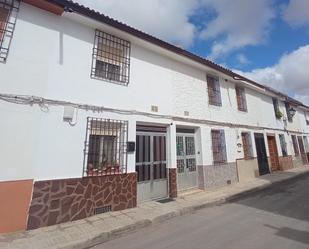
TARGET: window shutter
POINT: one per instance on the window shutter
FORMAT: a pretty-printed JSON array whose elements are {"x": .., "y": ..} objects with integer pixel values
[{"x": 111, "y": 58}]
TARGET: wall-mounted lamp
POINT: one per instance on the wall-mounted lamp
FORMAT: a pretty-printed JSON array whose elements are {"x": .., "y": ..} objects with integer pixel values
[{"x": 292, "y": 112}]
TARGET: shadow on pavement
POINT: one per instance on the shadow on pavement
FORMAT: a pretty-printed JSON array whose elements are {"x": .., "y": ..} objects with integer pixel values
[
  {"x": 289, "y": 199},
  {"x": 292, "y": 234}
]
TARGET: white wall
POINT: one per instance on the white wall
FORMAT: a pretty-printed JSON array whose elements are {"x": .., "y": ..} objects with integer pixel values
[
  {"x": 59, "y": 64},
  {"x": 51, "y": 57}
]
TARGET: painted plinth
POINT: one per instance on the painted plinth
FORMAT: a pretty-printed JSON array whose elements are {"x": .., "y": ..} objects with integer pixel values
[
  {"x": 247, "y": 169},
  {"x": 217, "y": 175},
  {"x": 57, "y": 201},
  {"x": 15, "y": 198},
  {"x": 297, "y": 161},
  {"x": 172, "y": 183},
  {"x": 304, "y": 158},
  {"x": 286, "y": 162}
]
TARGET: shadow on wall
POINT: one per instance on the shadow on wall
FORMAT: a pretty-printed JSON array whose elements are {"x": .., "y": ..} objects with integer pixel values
[
  {"x": 67, "y": 27},
  {"x": 64, "y": 26},
  {"x": 292, "y": 234}
]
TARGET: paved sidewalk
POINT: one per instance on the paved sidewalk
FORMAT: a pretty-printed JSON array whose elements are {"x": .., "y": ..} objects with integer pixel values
[{"x": 101, "y": 228}]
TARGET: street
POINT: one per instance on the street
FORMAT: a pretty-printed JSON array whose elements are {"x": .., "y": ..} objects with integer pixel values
[{"x": 277, "y": 218}]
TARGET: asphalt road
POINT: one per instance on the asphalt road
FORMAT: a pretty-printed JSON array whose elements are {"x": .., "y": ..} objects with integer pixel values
[{"x": 277, "y": 218}]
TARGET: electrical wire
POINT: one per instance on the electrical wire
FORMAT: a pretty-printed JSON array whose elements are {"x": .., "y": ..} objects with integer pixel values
[{"x": 44, "y": 103}]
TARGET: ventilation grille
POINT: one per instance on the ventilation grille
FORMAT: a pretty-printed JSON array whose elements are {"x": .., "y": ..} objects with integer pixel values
[
  {"x": 102, "y": 210},
  {"x": 154, "y": 108}
]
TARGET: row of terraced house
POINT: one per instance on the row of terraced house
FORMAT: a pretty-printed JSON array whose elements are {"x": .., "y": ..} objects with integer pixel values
[{"x": 97, "y": 116}]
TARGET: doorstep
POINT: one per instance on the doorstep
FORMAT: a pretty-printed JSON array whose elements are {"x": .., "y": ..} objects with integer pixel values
[{"x": 101, "y": 228}]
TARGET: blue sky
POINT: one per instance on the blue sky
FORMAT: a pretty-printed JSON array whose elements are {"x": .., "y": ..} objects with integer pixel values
[
  {"x": 282, "y": 38},
  {"x": 265, "y": 40}
]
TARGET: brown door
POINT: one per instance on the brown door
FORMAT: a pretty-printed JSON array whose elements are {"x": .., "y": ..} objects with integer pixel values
[
  {"x": 302, "y": 150},
  {"x": 273, "y": 153}
]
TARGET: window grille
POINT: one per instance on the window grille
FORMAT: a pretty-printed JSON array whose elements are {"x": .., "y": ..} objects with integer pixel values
[
  {"x": 111, "y": 58},
  {"x": 105, "y": 147},
  {"x": 247, "y": 145},
  {"x": 214, "y": 94},
  {"x": 8, "y": 15},
  {"x": 218, "y": 147},
  {"x": 295, "y": 145},
  {"x": 241, "y": 98},
  {"x": 283, "y": 145}
]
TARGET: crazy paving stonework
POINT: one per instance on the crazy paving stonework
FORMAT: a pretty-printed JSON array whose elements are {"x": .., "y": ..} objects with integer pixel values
[
  {"x": 57, "y": 201},
  {"x": 172, "y": 183},
  {"x": 286, "y": 162}
]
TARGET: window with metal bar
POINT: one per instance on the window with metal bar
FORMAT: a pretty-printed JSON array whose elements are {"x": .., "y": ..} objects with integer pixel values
[
  {"x": 277, "y": 111},
  {"x": 287, "y": 108},
  {"x": 306, "y": 117},
  {"x": 295, "y": 145},
  {"x": 218, "y": 147},
  {"x": 283, "y": 145},
  {"x": 247, "y": 145},
  {"x": 111, "y": 58},
  {"x": 214, "y": 93},
  {"x": 241, "y": 98},
  {"x": 8, "y": 15},
  {"x": 105, "y": 147},
  {"x": 306, "y": 144}
]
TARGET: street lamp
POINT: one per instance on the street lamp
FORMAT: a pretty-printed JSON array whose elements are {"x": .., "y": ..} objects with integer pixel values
[{"x": 292, "y": 112}]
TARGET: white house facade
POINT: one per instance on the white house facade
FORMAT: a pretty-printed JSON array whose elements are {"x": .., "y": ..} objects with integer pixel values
[{"x": 97, "y": 116}]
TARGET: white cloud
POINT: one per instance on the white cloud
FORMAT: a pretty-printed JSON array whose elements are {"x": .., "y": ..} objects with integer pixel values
[
  {"x": 290, "y": 75},
  {"x": 242, "y": 59},
  {"x": 237, "y": 24},
  {"x": 168, "y": 20},
  {"x": 297, "y": 13}
]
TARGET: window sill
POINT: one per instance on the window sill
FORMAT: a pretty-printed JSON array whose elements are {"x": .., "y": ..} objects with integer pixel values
[
  {"x": 122, "y": 83},
  {"x": 214, "y": 107},
  {"x": 242, "y": 111},
  {"x": 220, "y": 163}
]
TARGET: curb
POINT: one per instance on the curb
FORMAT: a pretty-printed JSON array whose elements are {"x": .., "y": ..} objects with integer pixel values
[
  {"x": 104, "y": 236},
  {"x": 266, "y": 186},
  {"x": 187, "y": 210}
]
